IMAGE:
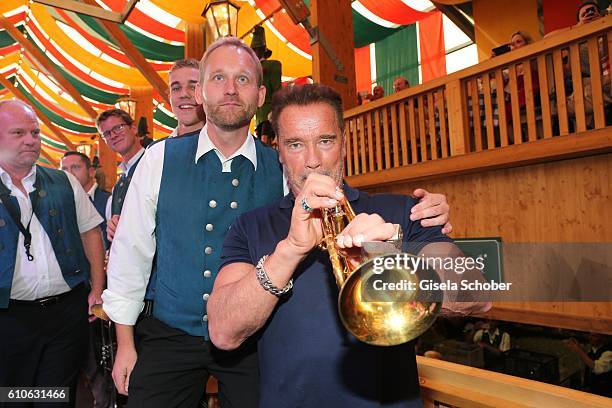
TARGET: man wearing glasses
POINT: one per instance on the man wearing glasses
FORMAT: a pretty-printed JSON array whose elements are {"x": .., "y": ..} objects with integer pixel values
[
  {"x": 120, "y": 133},
  {"x": 587, "y": 12}
]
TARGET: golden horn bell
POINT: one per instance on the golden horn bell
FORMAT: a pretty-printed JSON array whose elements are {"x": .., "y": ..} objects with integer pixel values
[{"x": 381, "y": 318}]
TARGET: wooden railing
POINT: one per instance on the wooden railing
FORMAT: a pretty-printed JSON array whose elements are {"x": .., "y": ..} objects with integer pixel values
[
  {"x": 466, "y": 387},
  {"x": 517, "y": 98}
]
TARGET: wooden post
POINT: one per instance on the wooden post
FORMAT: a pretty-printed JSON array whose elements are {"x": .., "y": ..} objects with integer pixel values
[
  {"x": 108, "y": 163},
  {"x": 457, "y": 121},
  {"x": 144, "y": 105},
  {"x": 334, "y": 19},
  {"x": 209, "y": 38},
  {"x": 195, "y": 40}
]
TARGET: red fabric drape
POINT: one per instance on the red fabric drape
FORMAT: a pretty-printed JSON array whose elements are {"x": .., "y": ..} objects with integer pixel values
[
  {"x": 433, "y": 51},
  {"x": 558, "y": 14},
  {"x": 362, "y": 69}
]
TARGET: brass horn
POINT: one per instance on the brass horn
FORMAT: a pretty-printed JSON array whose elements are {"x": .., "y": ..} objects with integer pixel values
[{"x": 381, "y": 318}]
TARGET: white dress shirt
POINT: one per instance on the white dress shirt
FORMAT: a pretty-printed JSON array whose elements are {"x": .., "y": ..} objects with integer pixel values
[
  {"x": 131, "y": 255},
  {"x": 504, "y": 344},
  {"x": 125, "y": 168},
  {"x": 92, "y": 194},
  {"x": 42, "y": 276},
  {"x": 604, "y": 363},
  {"x": 92, "y": 191}
]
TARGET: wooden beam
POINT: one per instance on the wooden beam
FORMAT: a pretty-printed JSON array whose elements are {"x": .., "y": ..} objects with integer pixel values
[
  {"x": 143, "y": 95},
  {"x": 465, "y": 386},
  {"x": 46, "y": 63},
  {"x": 50, "y": 159},
  {"x": 56, "y": 131},
  {"x": 127, "y": 10},
  {"x": 266, "y": 18},
  {"x": 108, "y": 163},
  {"x": 90, "y": 10},
  {"x": 455, "y": 15},
  {"x": 334, "y": 22},
  {"x": 505, "y": 312},
  {"x": 136, "y": 57},
  {"x": 195, "y": 40}
]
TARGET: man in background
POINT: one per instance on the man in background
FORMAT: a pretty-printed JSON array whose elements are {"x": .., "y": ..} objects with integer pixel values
[
  {"x": 494, "y": 343},
  {"x": 598, "y": 363},
  {"x": 400, "y": 83},
  {"x": 79, "y": 165}
]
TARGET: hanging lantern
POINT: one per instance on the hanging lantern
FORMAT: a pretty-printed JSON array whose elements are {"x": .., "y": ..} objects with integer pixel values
[
  {"x": 222, "y": 18},
  {"x": 127, "y": 104}
]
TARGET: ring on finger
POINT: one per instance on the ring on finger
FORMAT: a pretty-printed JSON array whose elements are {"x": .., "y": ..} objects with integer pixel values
[{"x": 305, "y": 205}]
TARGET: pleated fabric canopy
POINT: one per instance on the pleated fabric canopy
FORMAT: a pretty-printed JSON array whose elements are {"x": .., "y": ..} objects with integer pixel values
[{"x": 92, "y": 62}]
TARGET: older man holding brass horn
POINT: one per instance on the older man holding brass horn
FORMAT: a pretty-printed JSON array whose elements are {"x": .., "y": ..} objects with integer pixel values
[{"x": 278, "y": 285}]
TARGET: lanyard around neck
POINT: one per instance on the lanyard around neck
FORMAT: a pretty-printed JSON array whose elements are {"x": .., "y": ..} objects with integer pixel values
[{"x": 14, "y": 212}]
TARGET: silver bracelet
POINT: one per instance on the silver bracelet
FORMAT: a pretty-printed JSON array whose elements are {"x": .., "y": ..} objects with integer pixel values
[{"x": 265, "y": 283}]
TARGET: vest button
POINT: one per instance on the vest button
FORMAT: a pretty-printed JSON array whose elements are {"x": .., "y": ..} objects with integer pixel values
[
  {"x": 205, "y": 318},
  {"x": 235, "y": 182},
  {"x": 119, "y": 199},
  {"x": 69, "y": 252},
  {"x": 53, "y": 212},
  {"x": 60, "y": 232},
  {"x": 205, "y": 296},
  {"x": 207, "y": 274},
  {"x": 42, "y": 193},
  {"x": 209, "y": 227},
  {"x": 212, "y": 204},
  {"x": 208, "y": 250},
  {"x": 2, "y": 222},
  {"x": 233, "y": 205}
]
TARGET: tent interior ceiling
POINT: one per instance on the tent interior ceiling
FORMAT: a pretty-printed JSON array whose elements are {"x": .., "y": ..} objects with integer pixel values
[{"x": 89, "y": 58}]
